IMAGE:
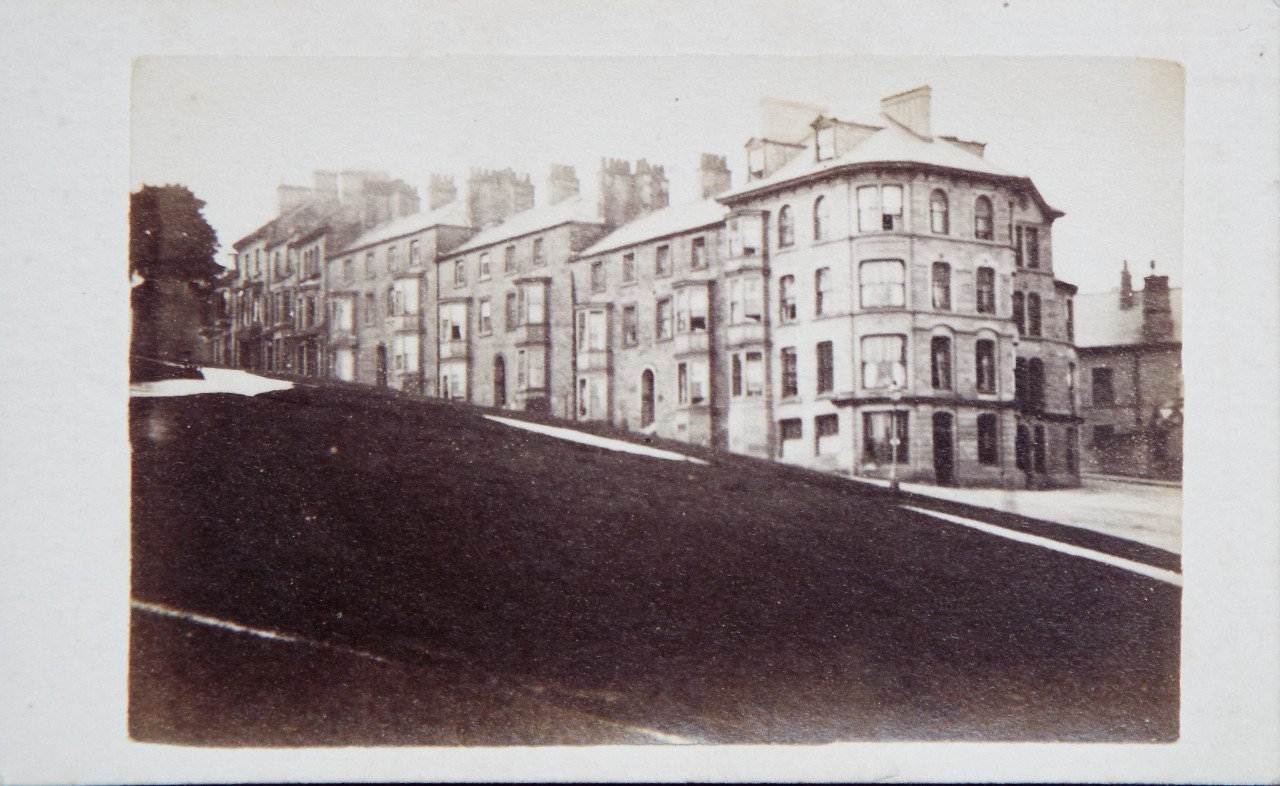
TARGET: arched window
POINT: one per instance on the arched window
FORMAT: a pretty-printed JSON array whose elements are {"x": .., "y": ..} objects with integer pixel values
[
  {"x": 983, "y": 219},
  {"x": 940, "y": 354},
  {"x": 941, "y": 286},
  {"x": 786, "y": 227},
  {"x": 1020, "y": 313},
  {"x": 985, "y": 365},
  {"x": 820, "y": 218},
  {"x": 787, "y": 311},
  {"x": 1033, "y": 314},
  {"x": 939, "y": 224}
]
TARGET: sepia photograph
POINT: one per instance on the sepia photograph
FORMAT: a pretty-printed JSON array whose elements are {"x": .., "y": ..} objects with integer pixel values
[
  {"x": 757, "y": 408},
  {"x": 412, "y": 391}
]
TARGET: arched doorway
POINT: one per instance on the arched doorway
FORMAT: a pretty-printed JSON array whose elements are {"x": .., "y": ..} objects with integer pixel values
[
  {"x": 646, "y": 398},
  {"x": 499, "y": 381},
  {"x": 381, "y": 365},
  {"x": 944, "y": 463}
]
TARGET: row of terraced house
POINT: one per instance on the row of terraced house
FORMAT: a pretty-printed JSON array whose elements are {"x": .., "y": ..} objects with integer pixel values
[{"x": 873, "y": 299}]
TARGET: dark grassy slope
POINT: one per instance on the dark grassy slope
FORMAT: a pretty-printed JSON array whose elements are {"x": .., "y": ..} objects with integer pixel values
[{"x": 734, "y": 601}]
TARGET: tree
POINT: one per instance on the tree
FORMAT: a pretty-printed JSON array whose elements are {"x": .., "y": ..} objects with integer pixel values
[
  {"x": 171, "y": 248},
  {"x": 169, "y": 238}
]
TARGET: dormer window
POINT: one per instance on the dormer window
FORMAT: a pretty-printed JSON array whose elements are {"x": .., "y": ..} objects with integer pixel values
[
  {"x": 755, "y": 162},
  {"x": 826, "y": 143}
]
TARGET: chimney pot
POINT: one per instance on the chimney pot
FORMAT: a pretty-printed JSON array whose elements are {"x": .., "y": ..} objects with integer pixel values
[{"x": 1126, "y": 287}]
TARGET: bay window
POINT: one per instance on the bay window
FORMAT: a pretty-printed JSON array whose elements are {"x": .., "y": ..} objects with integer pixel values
[
  {"x": 879, "y": 208},
  {"x": 878, "y": 431},
  {"x": 884, "y": 362},
  {"x": 593, "y": 334},
  {"x": 882, "y": 284}
]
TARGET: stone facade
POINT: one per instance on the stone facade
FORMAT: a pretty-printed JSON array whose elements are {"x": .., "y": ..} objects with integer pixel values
[
  {"x": 842, "y": 298},
  {"x": 874, "y": 300}
]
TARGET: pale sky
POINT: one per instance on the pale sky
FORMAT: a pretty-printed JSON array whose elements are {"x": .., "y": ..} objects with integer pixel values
[{"x": 1101, "y": 138}]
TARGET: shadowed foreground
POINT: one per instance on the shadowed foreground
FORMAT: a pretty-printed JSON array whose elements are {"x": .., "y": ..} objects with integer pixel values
[{"x": 487, "y": 585}]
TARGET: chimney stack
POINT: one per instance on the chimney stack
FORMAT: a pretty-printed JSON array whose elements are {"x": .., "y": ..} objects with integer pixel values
[
  {"x": 714, "y": 177},
  {"x": 651, "y": 187},
  {"x": 292, "y": 197},
  {"x": 1126, "y": 288},
  {"x": 441, "y": 192},
  {"x": 562, "y": 184},
  {"x": 493, "y": 197},
  {"x": 624, "y": 195},
  {"x": 788, "y": 122},
  {"x": 1157, "y": 314},
  {"x": 911, "y": 110},
  {"x": 326, "y": 186}
]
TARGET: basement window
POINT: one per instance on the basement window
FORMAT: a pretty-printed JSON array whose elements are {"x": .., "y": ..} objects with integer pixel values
[
  {"x": 790, "y": 433},
  {"x": 826, "y": 433}
]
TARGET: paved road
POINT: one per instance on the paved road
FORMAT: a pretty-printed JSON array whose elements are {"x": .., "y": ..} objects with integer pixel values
[
  {"x": 316, "y": 566},
  {"x": 1144, "y": 513}
]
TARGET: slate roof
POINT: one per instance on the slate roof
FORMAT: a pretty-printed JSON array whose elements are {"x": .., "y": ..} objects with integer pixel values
[
  {"x": 661, "y": 223},
  {"x": 453, "y": 214},
  {"x": 889, "y": 145},
  {"x": 1100, "y": 322},
  {"x": 578, "y": 209}
]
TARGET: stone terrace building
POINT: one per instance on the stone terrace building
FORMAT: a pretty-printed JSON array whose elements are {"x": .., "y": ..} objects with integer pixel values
[
  {"x": 875, "y": 300},
  {"x": 649, "y": 324},
  {"x": 380, "y": 287},
  {"x": 867, "y": 281},
  {"x": 1130, "y": 346},
  {"x": 505, "y": 312}
]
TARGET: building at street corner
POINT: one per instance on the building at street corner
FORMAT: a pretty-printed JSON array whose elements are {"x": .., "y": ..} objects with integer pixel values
[
  {"x": 875, "y": 300},
  {"x": 1130, "y": 347},
  {"x": 867, "y": 281}
]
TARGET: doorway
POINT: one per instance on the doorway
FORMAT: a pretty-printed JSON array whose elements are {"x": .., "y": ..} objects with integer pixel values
[
  {"x": 381, "y": 366},
  {"x": 646, "y": 398},
  {"x": 943, "y": 449},
  {"x": 499, "y": 381}
]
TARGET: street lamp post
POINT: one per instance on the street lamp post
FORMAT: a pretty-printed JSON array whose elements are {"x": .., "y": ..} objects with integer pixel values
[{"x": 895, "y": 395}]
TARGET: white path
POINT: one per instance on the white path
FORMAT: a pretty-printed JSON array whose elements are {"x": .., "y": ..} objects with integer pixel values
[
  {"x": 599, "y": 442},
  {"x": 1159, "y": 574},
  {"x": 1147, "y": 514},
  {"x": 216, "y": 380}
]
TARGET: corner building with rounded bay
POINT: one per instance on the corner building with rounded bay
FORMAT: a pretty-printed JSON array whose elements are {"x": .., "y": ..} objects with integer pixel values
[{"x": 867, "y": 283}]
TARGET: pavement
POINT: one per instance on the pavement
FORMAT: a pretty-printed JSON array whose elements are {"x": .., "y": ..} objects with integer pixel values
[{"x": 1139, "y": 511}]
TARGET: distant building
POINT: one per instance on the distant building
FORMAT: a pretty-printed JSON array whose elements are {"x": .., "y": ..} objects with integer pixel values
[
  {"x": 270, "y": 310},
  {"x": 1130, "y": 348}
]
